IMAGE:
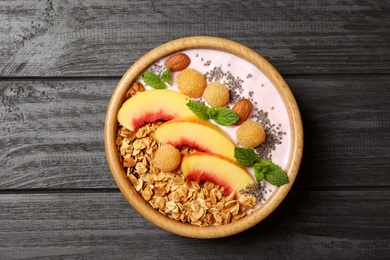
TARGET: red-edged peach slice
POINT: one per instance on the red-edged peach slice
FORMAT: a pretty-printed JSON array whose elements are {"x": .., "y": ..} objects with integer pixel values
[
  {"x": 152, "y": 105},
  {"x": 217, "y": 169},
  {"x": 196, "y": 133}
]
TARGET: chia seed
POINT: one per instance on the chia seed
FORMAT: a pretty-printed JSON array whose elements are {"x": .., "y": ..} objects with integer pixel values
[
  {"x": 207, "y": 63},
  {"x": 235, "y": 87},
  {"x": 254, "y": 190},
  {"x": 236, "y": 91},
  {"x": 273, "y": 137},
  {"x": 216, "y": 74},
  {"x": 157, "y": 69}
]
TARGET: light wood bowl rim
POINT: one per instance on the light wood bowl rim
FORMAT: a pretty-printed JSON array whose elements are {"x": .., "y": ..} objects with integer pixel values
[{"x": 110, "y": 131}]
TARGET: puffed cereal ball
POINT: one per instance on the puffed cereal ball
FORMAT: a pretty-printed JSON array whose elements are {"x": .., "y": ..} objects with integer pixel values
[
  {"x": 167, "y": 158},
  {"x": 191, "y": 82},
  {"x": 250, "y": 134},
  {"x": 216, "y": 94}
]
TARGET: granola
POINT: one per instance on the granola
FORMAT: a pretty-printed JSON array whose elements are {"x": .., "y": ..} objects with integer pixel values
[{"x": 201, "y": 204}]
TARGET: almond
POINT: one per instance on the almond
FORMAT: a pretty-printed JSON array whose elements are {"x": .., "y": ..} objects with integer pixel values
[
  {"x": 177, "y": 62},
  {"x": 243, "y": 108}
]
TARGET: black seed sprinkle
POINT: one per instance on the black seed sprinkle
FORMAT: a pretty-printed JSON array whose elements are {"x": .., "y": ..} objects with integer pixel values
[
  {"x": 255, "y": 190},
  {"x": 236, "y": 91},
  {"x": 158, "y": 69}
]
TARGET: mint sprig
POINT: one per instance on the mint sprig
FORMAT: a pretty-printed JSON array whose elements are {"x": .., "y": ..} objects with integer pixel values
[
  {"x": 260, "y": 171},
  {"x": 222, "y": 116},
  {"x": 166, "y": 76},
  {"x": 263, "y": 169},
  {"x": 271, "y": 172},
  {"x": 151, "y": 79},
  {"x": 198, "y": 109},
  {"x": 245, "y": 156}
]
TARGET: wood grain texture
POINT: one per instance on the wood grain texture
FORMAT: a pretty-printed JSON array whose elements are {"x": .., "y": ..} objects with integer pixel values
[
  {"x": 114, "y": 115},
  {"x": 96, "y": 225},
  {"x": 52, "y": 132},
  {"x": 60, "y": 61},
  {"x": 103, "y": 38},
  {"x": 347, "y": 125}
]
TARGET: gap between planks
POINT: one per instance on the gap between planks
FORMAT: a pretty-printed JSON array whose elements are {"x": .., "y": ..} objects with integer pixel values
[
  {"x": 86, "y": 191},
  {"x": 285, "y": 75}
]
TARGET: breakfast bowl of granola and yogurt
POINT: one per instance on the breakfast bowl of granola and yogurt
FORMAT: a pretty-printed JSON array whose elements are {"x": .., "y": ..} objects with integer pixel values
[{"x": 203, "y": 137}]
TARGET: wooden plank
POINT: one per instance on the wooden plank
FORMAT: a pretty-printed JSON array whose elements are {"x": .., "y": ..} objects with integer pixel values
[
  {"x": 346, "y": 124},
  {"x": 103, "y": 38},
  {"x": 324, "y": 224},
  {"x": 51, "y": 132}
]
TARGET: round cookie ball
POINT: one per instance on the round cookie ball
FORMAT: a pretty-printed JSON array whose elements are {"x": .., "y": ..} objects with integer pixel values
[
  {"x": 216, "y": 94},
  {"x": 191, "y": 83},
  {"x": 251, "y": 134},
  {"x": 167, "y": 158}
]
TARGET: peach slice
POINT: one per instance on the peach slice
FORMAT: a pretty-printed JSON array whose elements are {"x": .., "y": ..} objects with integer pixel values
[
  {"x": 217, "y": 169},
  {"x": 152, "y": 105},
  {"x": 196, "y": 133}
]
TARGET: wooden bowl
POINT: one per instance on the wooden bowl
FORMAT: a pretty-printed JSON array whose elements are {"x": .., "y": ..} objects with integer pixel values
[{"x": 111, "y": 125}]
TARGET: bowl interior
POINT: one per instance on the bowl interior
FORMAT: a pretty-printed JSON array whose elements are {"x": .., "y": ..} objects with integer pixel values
[{"x": 117, "y": 170}]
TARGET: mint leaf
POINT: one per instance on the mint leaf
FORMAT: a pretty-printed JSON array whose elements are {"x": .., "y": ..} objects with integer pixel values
[
  {"x": 151, "y": 79},
  {"x": 212, "y": 112},
  {"x": 223, "y": 116},
  {"x": 245, "y": 156},
  {"x": 273, "y": 173},
  {"x": 260, "y": 171},
  {"x": 263, "y": 169},
  {"x": 198, "y": 109},
  {"x": 166, "y": 76}
]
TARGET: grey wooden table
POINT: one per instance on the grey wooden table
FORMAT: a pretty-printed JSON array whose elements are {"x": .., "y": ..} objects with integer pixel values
[{"x": 61, "y": 60}]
